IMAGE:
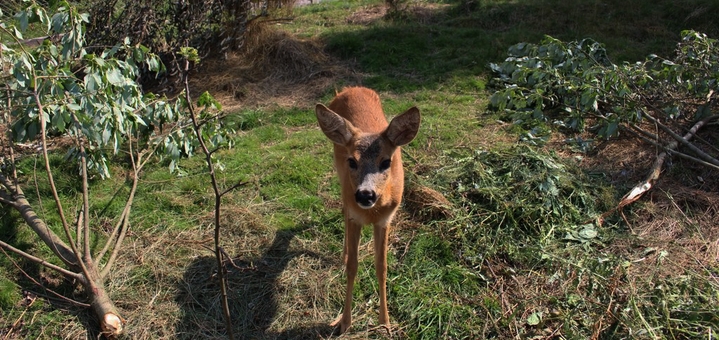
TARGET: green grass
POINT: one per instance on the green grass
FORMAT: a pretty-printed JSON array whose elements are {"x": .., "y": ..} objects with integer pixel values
[{"x": 519, "y": 256}]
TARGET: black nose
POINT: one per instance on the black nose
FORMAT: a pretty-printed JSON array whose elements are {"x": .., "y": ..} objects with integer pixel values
[{"x": 365, "y": 197}]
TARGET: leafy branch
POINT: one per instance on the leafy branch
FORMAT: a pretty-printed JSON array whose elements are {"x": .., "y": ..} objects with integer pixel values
[
  {"x": 575, "y": 88},
  {"x": 60, "y": 88}
]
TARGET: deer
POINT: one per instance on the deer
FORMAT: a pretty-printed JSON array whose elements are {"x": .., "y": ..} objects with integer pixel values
[{"x": 368, "y": 162}]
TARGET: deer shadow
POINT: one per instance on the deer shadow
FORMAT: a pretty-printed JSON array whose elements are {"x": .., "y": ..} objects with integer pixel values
[{"x": 253, "y": 291}]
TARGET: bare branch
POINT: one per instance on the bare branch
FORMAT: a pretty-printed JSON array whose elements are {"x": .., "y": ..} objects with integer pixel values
[
  {"x": 87, "y": 251},
  {"x": 8, "y": 131},
  {"x": 78, "y": 227},
  {"x": 237, "y": 185},
  {"x": 646, "y": 136},
  {"x": 683, "y": 140},
  {"x": 125, "y": 219},
  {"x": 221, "y": 270},
  {"x": 41, "y": 262},
  {"x": 56, "y": 244},
  {"x": 60, "y": 210}
]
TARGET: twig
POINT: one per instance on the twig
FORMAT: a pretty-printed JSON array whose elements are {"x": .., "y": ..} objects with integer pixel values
[
  {"x": 11, "y": 144},
  {"x": 232, "y": 262},
  {"x": 85, "y": 203},
  {"x": 235, "y": 186},
  {"x": 123, "y": 223}
]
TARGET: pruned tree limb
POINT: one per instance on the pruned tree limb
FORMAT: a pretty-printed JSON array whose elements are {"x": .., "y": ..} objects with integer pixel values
[
  {"x": 57, "y": 245},
  {"x": 60, "y": 296},
  {"x": 684, "y": 140},
  {"x": 640, "y": 189},
  {"x": 650, "y": 138},
  {"x": 41, "y": 262}
]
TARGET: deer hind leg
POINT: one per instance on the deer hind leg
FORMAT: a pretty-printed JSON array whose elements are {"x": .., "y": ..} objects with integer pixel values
[
  {"x": 351, "y": 249},
  {"x": 381, "y": 235}
]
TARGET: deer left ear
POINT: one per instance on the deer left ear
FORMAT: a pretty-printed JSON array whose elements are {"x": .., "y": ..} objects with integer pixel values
[{"x": 403, "y": 128}]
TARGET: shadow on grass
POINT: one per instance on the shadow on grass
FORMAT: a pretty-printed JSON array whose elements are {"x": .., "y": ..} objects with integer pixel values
[
  {"x": 432, "y": 44},
  {"x": 252, "y": 293}
]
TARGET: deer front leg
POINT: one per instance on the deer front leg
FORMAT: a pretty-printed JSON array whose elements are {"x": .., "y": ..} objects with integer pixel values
[
  {"x": 351, "y": 248},
  {"x": 381, "y": 234}
]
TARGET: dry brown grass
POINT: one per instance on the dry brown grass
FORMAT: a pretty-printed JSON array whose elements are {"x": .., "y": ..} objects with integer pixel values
[
  {"x": 367, "y": 16},
  {"x": 677, "y": 233},
  {"x": 425, "y": 204},
  {"x": 275, "y": 68}
]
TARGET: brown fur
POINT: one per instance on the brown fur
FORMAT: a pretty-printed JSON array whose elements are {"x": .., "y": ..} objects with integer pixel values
[{"x": 371, "y": 192}]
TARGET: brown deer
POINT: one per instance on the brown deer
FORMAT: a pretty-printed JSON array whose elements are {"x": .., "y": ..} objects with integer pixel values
[{"x": 368, "y": 160}]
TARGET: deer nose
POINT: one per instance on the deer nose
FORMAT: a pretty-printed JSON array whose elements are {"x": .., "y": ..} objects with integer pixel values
[{"x": 365, "y": 198}]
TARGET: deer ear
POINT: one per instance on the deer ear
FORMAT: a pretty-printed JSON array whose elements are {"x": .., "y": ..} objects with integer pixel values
[
  {"x": 336, "y": 128},
  {"x": 403, "y": 128}
]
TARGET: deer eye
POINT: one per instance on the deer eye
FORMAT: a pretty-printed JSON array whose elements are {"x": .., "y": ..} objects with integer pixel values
[
  {"x": 385, "y": 165},
  {"x": 352, "y": 163}
]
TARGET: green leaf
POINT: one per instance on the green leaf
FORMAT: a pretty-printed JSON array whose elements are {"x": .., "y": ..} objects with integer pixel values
[
  {"x": 534, "y": 319},
  {"x": 18, "y": 34},
  {"x": 612, "y": 128},
  {"x": 23, "y": 20},
  {"x": 58, "y": 21},
  {"x": 115, "y": 77},
  {"x": 106, "y": 134},
  {"x": 58, "y": 122},
  {"x": 703, "y": 111},
  {"x": 206, "y": 100},
  {"x": 32, "y": 130},
  {"x": 92, "y": 82},
  {"x": 588, "y": 233}
]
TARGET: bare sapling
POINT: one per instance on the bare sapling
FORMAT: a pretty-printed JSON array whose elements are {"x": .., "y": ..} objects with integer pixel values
[
  {"x": 208, "y": 149},
  {"x": 368, "y": 161}
]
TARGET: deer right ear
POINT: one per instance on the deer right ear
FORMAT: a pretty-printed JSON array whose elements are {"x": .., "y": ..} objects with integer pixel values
[{"x": 336, "y": 128}]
